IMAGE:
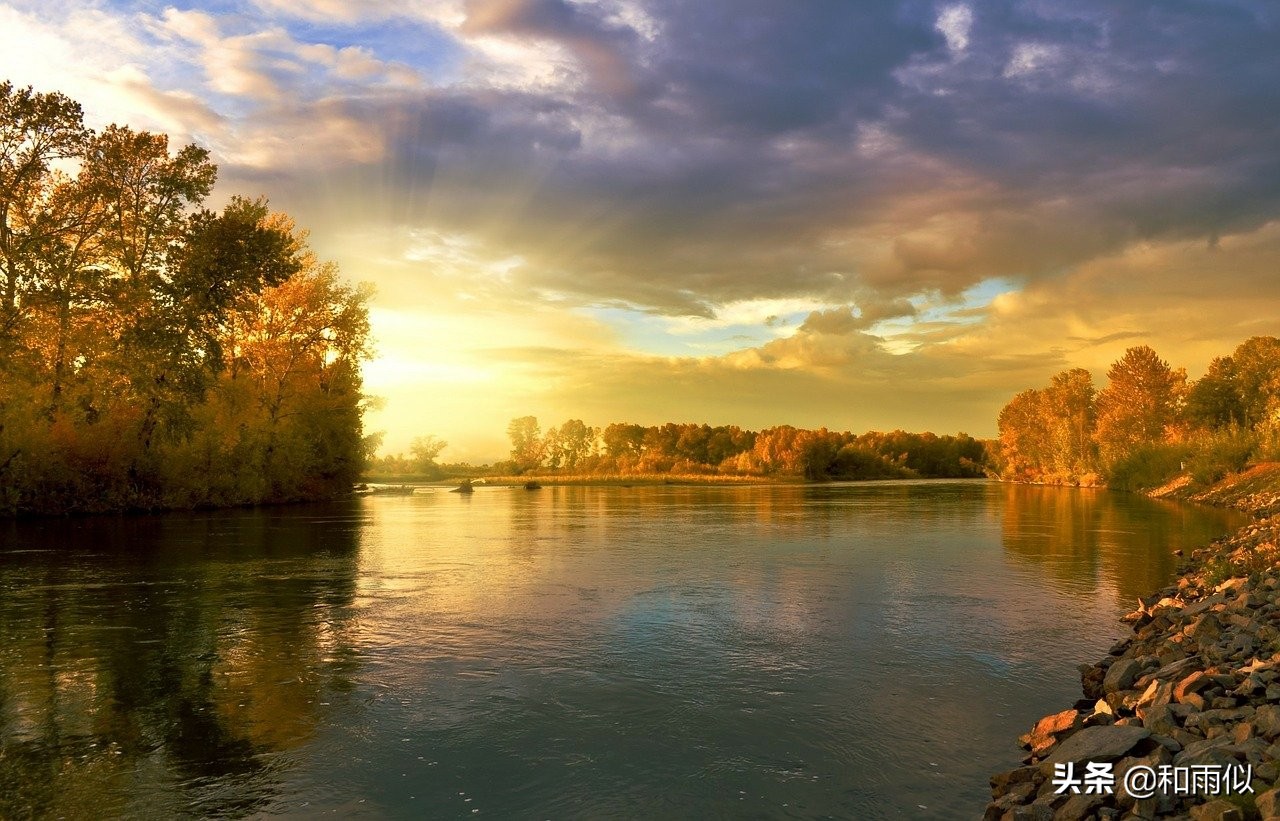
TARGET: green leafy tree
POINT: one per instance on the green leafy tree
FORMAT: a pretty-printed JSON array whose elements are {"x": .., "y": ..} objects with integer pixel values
[{"x": 1214, "y": 400}]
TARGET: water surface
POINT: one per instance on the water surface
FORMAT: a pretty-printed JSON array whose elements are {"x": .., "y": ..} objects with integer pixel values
[{"x": 850, "y": 651}]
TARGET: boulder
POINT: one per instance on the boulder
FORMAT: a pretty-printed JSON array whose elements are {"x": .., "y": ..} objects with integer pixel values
[
  {"x": 1217, "y": 810},
  {"x": 1193, "y": 683},
  {"x": 1267, "y": 721},
  {"x": 1122, "y": 675},
  {"x": 1102, "y": 743},
  {"x": 1268, "y": 804},
  {"x": 1159, "y": 719}
]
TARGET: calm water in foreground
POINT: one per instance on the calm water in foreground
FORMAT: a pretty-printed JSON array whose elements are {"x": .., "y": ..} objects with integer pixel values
[{"x": 855, "y": 651}]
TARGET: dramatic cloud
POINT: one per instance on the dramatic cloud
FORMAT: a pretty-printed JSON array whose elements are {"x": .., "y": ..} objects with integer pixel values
[{"x": 936, "y": 201}]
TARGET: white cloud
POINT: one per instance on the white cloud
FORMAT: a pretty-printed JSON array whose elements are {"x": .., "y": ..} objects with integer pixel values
[
  {"x": 1028, "y": 58},
  {"x": 955, "y": 23}
]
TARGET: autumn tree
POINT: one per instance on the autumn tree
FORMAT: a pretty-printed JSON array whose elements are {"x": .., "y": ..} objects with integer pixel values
[
  {"x": 569, "y": 444},
  {"x": 1256, "y": 366},
  {"x": 526, "y": 443},
  {"x": 1068, "y": 404},
  {"x": 425, "y": 449},
  {"x": 1141, "y": 404},
  {"x": 154, "y": 353},
  {"x": 1024, "y": 439},
  {"x": 36, "y": 130}
]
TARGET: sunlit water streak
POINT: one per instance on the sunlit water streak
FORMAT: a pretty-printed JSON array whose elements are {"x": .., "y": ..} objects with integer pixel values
[{"x": 851, "y": 651}]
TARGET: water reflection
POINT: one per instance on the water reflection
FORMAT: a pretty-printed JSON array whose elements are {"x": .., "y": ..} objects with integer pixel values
[
  {"x": 859, "y": 650},
  {"x": 143, "y": 658},
  {"x": 1089, "y": 538}
]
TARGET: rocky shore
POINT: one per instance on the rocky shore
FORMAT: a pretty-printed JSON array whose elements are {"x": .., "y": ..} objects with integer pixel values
[{"x": 1195, "y": 691}]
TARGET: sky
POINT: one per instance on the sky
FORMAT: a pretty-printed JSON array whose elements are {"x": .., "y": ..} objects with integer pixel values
[{"x": 868, "y": 215}]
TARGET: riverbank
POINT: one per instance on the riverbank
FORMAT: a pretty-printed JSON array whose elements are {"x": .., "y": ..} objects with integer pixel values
[{"x": 1198, "y": 683}]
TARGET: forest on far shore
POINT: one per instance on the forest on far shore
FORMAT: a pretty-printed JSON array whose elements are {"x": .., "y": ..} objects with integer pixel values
[
  {"x": 623, "y": 449},
  {"x": 155, "y": 353}
]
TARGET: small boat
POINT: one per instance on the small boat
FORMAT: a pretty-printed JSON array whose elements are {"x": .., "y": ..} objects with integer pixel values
[
  {"x": 465, "y": 487},
  {"x": 532, "y": 486}
]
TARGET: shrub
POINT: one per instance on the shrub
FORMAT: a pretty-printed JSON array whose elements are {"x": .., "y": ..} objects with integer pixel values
[
  {"x": 1147, "y": 466},
  {"x": 1220, "y": 452}
]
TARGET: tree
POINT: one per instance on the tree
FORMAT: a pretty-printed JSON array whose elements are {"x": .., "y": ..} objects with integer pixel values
[
  {"x": 526, "y": 443},
  {"x": 1071, "y": 415},
  {"x": 154, "y": 353},
  {"x": 573, "y": 442},
  {"x": 425, "y": 449},
  {"x": 1024, "y": 440},
  {"x": 623, "y": 439},
  {"x": 1256, "y": 367},
  {"x": 1142, "y": 403},
  {"x": 35, "y": 130},
  {"x": 1214, "y": 401}
]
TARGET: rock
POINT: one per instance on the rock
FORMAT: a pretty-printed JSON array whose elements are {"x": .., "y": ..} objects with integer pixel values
[
  {"x": 1157, "y": 693},
  {"x": 1078, "y": 807},
  {"x": 1002, "y": 783},
  {"x": 1193, "y": 683},
  {"x": 1160, "y": 719},
  {"x": 1122, "y": 675},
  {"x": 1268, "y": 804},
  {"x": 1267, "y": 721},
  {"x": 1098, "y": 744},
  {"x": 1056, "y": 723},
  {"x": 1217, "y": 810},
  {"x": 1033, "y": 812}
]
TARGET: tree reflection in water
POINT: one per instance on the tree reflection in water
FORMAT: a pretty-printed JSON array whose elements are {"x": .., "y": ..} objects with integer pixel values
[{"x": 153, "y": 665}]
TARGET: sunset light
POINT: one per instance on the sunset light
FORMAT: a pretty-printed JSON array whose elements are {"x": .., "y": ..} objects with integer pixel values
[{"x": 565, "y": 206}]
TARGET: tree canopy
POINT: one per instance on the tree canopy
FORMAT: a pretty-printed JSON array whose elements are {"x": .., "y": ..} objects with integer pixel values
[
  {"x": 1148, "y": 421},
  {"x": 153, "y": 352}
]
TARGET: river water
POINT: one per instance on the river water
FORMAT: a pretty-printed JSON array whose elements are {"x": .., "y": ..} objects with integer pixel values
[{"x": 851, "y": 651}]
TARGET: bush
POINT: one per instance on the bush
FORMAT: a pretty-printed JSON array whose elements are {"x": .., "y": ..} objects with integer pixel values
[
  {"x": 1219, "y": 453},
  {"x": 1147, "y": 466}
]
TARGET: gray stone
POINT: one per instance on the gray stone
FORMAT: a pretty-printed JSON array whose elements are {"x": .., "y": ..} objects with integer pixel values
[
  {"x": 1268, "y": 804},
  {"x": 1078, "y": 807},
  {"x": 1098, "y": 744},
  {"x": 1122, "y": 675},
  {"x": 1033, "y": 812},
  {"x": 1159, "y": 719},
  {"x": 1217, "y": 810},
  {"x": 1267, "y": 720}
]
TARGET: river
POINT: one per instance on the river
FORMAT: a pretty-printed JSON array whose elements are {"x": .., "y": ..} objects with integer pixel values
[{"x": 856, "y": 651}]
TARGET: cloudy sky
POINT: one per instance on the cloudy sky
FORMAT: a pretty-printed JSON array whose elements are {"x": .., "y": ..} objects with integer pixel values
[{"x": 852, "y": 214}]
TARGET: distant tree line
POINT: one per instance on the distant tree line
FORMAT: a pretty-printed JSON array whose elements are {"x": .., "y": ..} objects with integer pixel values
[
  {"x": 1149, "y": 423},
  {"x": 155, "y": 353},
  {"x": 630, "y": 449}
]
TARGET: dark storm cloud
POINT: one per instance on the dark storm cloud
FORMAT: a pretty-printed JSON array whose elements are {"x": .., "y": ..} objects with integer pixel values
[{"x": 759, "y": 149}]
